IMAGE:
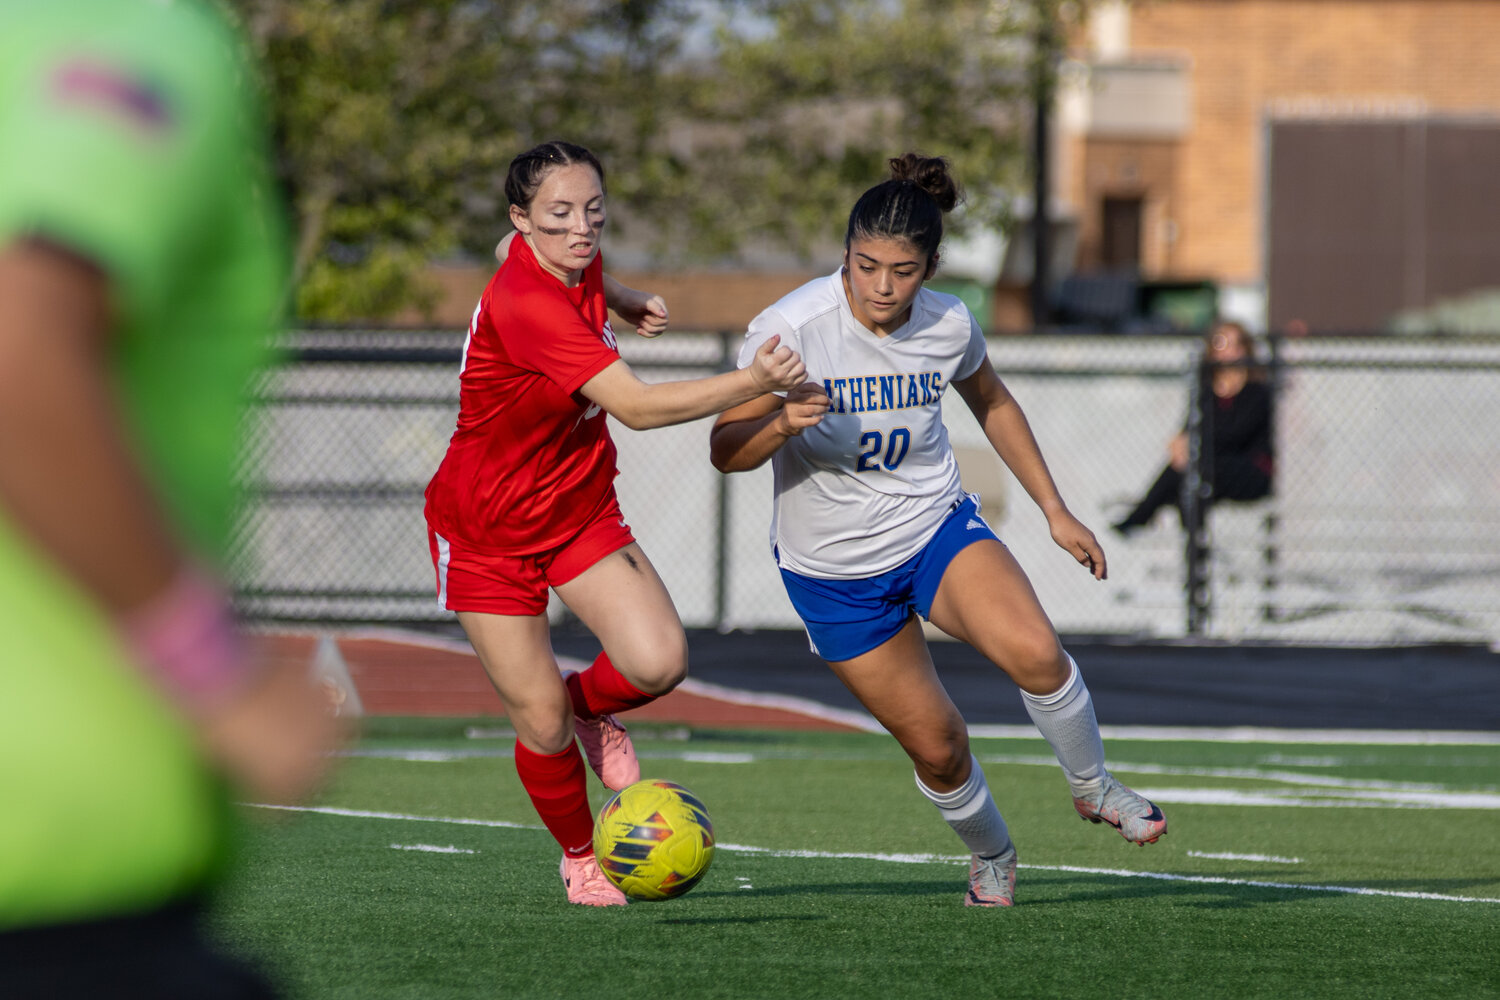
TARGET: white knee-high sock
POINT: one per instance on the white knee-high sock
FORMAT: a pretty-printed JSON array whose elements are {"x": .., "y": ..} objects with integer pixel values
[
  {"x": 1066, "y": 721},
  {"x": 971, "y": 812}
]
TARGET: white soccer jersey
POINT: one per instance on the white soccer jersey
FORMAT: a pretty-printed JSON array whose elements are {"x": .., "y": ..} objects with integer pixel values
[{"x": 865, "y": 489}]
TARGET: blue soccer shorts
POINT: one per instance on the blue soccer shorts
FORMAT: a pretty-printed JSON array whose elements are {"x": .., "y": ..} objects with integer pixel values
[{"x": 845, "y": 618}]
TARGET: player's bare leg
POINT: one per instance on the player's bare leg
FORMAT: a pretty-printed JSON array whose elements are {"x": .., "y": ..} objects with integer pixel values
[
  {"x": 516, "y": 651},
  {"x": 624, "y": 603},
  {"x": 986, "y": 600},
  {"x": 897, "y": 683}
]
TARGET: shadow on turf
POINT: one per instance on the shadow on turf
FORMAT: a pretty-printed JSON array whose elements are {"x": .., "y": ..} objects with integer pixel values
[
  {"x": 805, "y": 918},
  {"x": 1234, "y": 896},
  {"x": 915, "y": 888},
  {"x": 1049, "y": 892},
  {"x": 1044, "y": 890}
]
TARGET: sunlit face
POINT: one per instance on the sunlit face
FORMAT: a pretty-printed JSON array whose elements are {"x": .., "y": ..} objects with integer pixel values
[
  {"x": 883, "y": 277},
  {"x": 1227, "y": 345},
  {"x": 564, "y": 221}
]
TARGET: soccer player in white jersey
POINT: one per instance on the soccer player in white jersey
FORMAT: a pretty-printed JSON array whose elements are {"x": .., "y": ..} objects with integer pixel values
[{"x": 872, "y": 529}]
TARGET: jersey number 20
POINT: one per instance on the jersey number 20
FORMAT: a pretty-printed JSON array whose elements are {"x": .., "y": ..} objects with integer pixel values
[{"x": 895, "y": 449}]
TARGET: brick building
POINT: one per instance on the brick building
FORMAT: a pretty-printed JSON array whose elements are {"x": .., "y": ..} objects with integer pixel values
[{"x": 1235, "y": 140}]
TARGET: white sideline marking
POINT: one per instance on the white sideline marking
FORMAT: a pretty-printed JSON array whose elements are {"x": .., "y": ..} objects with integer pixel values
[
  {"x": 1261, "y": 734},
  {"x": 911, "y": 858},
  {"x": 707, "y": 757},
  {"x": 1326, "y": 791},
  {"x": 432, "y": 849},
  {"x": 1250, "y": 773},
  {"x": 1344, "y": 798},
  {"x": 372, "y": 814},
  {"x": 422, "y": 756},
  {"x": 1231, "y": 856}
]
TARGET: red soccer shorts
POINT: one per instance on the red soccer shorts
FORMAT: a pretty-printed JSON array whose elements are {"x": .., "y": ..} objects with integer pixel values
[{"x": 471, "y": 579}]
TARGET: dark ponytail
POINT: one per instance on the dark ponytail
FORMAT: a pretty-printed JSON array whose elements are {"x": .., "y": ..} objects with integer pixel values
[{"x": 909, "y": 206}]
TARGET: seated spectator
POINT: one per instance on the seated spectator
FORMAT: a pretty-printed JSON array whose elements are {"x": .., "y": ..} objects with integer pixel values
[{"x": 1237, "y": 461}]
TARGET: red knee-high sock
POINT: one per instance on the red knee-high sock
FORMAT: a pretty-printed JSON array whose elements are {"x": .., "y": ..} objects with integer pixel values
[
  {"x": 557, "y": 788},
  {"x": 603, "y": 690}
]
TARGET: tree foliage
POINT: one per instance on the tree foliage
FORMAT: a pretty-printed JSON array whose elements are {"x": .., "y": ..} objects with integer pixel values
[{"x": 723, "y": 125}]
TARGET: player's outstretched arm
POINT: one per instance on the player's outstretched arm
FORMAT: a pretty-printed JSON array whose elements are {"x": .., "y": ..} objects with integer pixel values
[
  {"x": 646, "y": 311},
  {"x": 643, "y": 405},
  {"x": 745, "y": 436},
  {"x": 1010, "y": 434}
]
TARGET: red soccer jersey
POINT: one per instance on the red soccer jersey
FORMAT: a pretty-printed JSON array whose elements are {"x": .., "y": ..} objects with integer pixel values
[{"x": 531, "y": 458}]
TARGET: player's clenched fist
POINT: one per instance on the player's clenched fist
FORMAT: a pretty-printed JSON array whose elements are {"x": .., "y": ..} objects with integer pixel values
[
  {"x": 777, "y": 368},
  {"x": 803, "y": 407}
]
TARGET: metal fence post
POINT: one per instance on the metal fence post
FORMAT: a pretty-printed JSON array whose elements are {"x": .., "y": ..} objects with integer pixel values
[
  {"x": 721, "y": 497},
  {"x": 1270, "y": 568},
  {"x": 1197, "y": 485}
]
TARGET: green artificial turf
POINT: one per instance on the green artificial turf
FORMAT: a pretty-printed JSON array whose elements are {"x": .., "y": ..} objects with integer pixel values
[{"x": 430, "y": 877}]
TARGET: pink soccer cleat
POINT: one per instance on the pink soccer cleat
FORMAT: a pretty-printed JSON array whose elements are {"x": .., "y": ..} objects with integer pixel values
[
  {"x": 587, "y": 885},
  {"x": 607, "y": 746}
]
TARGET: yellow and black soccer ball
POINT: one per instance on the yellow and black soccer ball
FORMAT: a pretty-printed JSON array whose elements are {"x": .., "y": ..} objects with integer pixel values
[{"x": 654, "y": 840}]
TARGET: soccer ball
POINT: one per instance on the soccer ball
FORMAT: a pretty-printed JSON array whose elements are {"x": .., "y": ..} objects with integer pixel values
[{"x": 654, "y": 840}]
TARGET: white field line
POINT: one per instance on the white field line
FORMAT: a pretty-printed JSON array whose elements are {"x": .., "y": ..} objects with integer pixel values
[
  {"x": 432, "y": 849},
  {"x": 1269, "y": 859},
  {"x": 914, "y": 858},
  {"x": 1322, "y": 798},
  {"x": 1323, "y": 791},
  {"x": 1247, "y": 773},
  {"x": 1262, "y": 734},
  {"x": 374, "y": 814}
]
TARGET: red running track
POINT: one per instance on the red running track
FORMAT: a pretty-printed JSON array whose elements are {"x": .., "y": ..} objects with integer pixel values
[{"x": 395, "y": 674}]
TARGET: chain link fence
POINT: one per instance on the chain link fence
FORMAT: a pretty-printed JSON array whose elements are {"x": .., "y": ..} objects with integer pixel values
[{"x": 1384, "y": 525}]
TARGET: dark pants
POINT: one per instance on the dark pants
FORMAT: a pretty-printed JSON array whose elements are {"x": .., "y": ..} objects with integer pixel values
[
  {"x": 162, "y": 955},
  {"x": 1234, "y": 479}
]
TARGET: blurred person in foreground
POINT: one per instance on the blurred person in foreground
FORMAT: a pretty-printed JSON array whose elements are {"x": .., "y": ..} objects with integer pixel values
[
  {"x": 141, "y": 266},
  {"x": 1236, "y": 410}
]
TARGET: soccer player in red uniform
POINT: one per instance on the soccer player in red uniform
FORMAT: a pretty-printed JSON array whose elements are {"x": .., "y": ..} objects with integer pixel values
[{"x": 524, "y": 500}]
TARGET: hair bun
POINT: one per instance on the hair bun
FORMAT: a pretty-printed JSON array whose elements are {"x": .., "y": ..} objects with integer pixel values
[{"x": 931, "y": 174}]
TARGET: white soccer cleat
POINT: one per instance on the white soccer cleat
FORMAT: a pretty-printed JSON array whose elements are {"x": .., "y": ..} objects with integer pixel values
[
  {"x": 1138, "y": 819},
  {"x": 992, "y": 881}
]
